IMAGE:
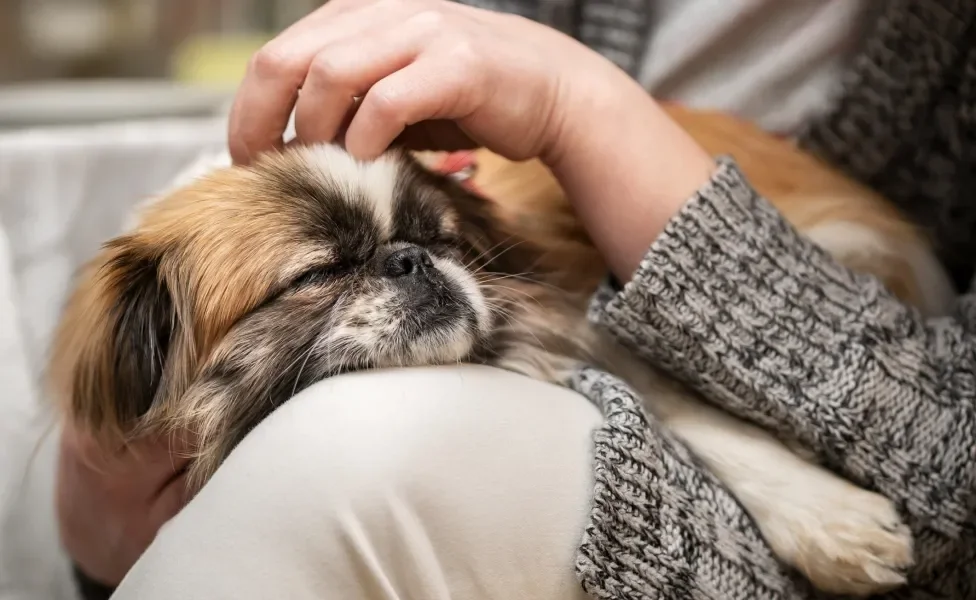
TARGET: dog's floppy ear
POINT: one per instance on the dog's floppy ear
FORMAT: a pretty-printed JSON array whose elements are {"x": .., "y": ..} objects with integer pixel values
[{"x": 113, "y": 340}]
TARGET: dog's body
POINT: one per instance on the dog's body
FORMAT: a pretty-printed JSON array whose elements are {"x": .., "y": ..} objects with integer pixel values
[
  {"x": 853, "y": 223},
  {"x": 235, "y": 292}
]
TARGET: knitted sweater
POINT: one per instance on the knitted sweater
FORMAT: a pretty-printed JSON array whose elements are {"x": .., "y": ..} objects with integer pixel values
[{"x": 734, "y": 302}]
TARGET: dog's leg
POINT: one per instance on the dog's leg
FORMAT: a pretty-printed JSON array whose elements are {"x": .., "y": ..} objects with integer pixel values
[{"x": 846, "y": 540}]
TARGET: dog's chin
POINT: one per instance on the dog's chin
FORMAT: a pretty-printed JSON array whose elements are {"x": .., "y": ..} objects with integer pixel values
[{"x": 415, "y": 342}]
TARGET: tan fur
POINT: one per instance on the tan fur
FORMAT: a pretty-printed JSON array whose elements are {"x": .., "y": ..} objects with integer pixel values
[
  {"x": 243, "y": 260},
  {"x": 805, "y": 190}
]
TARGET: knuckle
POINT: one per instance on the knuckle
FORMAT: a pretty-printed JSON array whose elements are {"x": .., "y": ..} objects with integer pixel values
[
  {"x": 513, "y": 20},
  {"x": 385, "y": 102},
  {"x": 326, "y": 67},
  {"x": 429, "y": 19},
  {"x": 464, "y": 51},
  {"x": 270, "y": 62}
]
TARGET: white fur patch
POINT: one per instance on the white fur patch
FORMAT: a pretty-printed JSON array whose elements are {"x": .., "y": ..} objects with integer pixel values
[
  {"x": 442, "y": 347},
  {"x": 844, "y": 239},
  {"x": 469, "y": 287},
  {"x": 938, "y": 293},
  {"x": 374, "y": 181}
]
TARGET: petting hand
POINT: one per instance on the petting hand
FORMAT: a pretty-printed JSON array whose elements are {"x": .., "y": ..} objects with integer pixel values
[
  {"x": 435, "y": 75},
  {"x": 431, "y": 74},
  {"x": 110, "y": 507}
]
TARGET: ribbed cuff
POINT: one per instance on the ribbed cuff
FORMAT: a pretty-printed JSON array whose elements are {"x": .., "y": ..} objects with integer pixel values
[{"x": 661, "y": 526}]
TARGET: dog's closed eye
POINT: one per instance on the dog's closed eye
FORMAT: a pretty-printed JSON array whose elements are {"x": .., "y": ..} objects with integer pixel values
[{"x": 319, "y": 274}]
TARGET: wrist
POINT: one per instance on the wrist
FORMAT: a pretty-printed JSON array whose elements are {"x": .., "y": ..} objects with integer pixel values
[{"x": 627, "y": 168}]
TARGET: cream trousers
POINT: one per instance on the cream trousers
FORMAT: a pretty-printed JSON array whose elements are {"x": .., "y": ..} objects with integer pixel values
[{"x": 461, "y": 483}]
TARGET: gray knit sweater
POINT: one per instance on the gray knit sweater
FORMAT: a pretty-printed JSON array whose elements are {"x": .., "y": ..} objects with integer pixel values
[{"x": 882, "y": 396}]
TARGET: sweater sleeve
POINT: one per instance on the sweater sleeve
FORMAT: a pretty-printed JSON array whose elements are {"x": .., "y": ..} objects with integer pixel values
[
  {"x": 660, "y": 525},
  {"x": 620, "y": 30},
  {"x": 735, "y": 302}
]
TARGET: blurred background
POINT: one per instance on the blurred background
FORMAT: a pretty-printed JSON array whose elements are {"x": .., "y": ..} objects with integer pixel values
[{"x": 76, "y": 61}]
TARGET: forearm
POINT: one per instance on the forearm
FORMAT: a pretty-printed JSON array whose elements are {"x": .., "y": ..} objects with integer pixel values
[
  {"x": 624, "y": 184},
  {"x": 732, "y": 300}
]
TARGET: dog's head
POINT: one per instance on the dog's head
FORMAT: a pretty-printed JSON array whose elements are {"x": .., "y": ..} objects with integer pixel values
[{"x": 242, "y": 288}]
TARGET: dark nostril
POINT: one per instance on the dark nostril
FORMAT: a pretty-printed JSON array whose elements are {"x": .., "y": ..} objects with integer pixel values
[
  {"x": 399, "y": 266},
  {"x": 411, "y": 260}
]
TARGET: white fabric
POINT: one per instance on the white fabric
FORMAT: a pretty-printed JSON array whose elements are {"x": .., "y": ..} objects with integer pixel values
[
  {"x": 454, "y": 483},
  {"x": 30, "y": 566},
  {"x": 63, "y": 191},
  {"x": 776, "y": 62}
]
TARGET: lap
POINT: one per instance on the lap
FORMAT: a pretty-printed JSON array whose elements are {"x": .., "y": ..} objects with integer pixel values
[{"x": 461, "y": 482}]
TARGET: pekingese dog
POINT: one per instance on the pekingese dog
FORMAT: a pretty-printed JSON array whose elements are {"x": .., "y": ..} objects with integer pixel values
[{"x": 243, "y": 287}]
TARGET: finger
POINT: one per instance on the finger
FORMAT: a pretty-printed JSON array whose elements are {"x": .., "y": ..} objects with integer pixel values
[
  {"x": 144, "y": 524},
  {"x": 84, "y": 447},
  {"x": 425, "y": 90},
  {"x": 269, "y": 90},
  {"x": 344, "y": 71}
]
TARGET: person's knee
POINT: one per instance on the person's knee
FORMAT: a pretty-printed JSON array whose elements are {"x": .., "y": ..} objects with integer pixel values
[
  {"x": 468, "y": 480},
  {"x": 414, "y": 430}
]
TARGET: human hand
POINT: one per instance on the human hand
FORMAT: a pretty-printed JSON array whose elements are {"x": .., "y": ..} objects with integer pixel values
[
  {"x": 111, "y": 505},
  {"x": 436, "y": 75},
  {"x": 431, "y": 74}
]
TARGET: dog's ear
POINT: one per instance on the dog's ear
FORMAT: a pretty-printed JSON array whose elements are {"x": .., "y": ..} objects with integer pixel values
[
  {"x": 520, "y": 222},
  {"x": 113, "y": 340}
]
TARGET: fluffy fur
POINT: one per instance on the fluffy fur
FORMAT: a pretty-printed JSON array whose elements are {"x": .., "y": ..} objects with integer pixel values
[{"x": 240, "y": 289}]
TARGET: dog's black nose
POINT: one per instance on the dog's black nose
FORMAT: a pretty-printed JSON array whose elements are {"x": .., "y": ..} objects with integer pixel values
[{"x": 411, "y": 261}]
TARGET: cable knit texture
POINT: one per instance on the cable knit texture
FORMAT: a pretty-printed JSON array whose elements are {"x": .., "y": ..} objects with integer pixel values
[
  {"x": 907, "y": 122},
  {"x": 661, "y": 526}
]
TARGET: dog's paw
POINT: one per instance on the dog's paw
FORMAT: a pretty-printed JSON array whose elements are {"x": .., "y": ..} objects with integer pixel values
[{"x": 844, "y": 540}]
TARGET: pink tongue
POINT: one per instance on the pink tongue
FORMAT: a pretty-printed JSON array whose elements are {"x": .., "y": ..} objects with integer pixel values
[{"x": 460, "y": 165}]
